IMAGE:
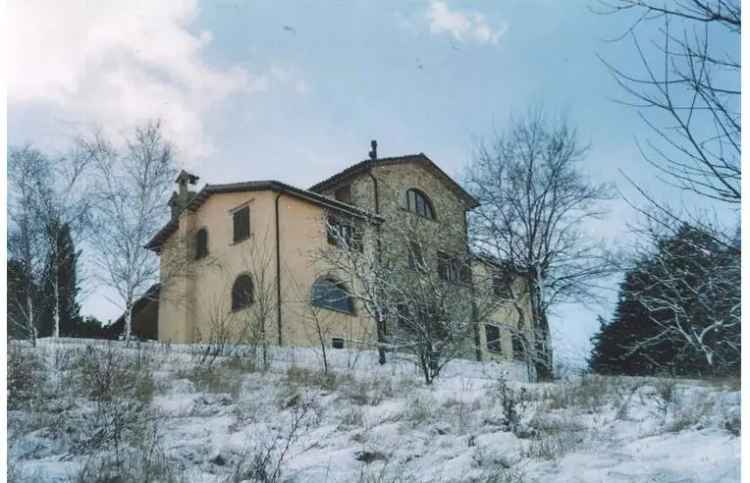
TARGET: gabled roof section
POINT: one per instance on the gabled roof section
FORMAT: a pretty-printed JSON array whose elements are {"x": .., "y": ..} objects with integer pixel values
[
  {"x": 210, "y": 189},
  {"x": 420, "y": 159}
]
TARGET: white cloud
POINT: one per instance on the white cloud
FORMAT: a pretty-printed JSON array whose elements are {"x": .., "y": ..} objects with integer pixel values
[
  {"x": 115, "y": 64},
  {"x": 461, "y": 25}
]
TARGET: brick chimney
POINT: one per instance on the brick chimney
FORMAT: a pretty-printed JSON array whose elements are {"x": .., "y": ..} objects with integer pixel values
[
  {"x": 373, "y": 150},
  {"x": 183, "y": 195}
]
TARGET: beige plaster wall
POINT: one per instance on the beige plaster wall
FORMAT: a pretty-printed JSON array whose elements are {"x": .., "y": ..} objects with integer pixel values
[
  {"x": 198, "y": 304},
  {"x": 505, "y": 315}
]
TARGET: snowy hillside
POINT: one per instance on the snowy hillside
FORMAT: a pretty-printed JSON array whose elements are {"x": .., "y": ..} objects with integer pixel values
[{"x": 101, "y": 412}]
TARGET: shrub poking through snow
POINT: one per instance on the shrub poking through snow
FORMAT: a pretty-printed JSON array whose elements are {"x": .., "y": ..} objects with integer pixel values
[
  {"x": 25, "y": 375},
  {"x": 120, "y": 388},
  {"x": 262, "y": 462},
  {"x": 145, "y": 461},
  {"x": 90, "y": 413},
  {"x": 213, "y": 379}
]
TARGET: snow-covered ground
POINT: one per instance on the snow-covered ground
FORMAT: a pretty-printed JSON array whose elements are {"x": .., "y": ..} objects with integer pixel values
[{"x": 150, "y": 413}]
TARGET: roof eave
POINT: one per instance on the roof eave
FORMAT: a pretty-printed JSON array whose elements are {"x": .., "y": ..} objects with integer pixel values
[{"x": 275, "y": 186}]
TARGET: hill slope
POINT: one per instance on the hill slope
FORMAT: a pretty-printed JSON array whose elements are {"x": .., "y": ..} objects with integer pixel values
[{"x": 83, "y": 412}]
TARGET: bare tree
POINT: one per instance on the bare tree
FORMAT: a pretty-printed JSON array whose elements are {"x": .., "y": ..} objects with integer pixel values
[
  {"x": 257, "y": 261},
  {"x": 228, "y": 329},
  {"x": 534, "y": 201},
  {"x": 318, "y": 321},
  {"x": 47, "y": 198},
  {"x": 432, "y": 314},
  {"x": 133, "y": 187},
  {"x": 687, "y": 91},
  {"x": 63, "y": 205},
  {"x": 689, "y": 95},
  {"x": 27, "y": 245}
]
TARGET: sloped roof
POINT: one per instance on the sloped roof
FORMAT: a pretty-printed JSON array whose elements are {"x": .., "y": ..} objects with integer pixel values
[
  {"x": 271, "y": 185},
  {"x": 419, "y": 158}
]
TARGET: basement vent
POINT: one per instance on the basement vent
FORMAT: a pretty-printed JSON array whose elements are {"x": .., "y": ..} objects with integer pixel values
[{"x": 337, "y": 343}]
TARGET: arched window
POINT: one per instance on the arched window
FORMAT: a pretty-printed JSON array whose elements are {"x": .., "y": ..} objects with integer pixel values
[
  {"x": 201, "y": 243},
  {"x": 418, "y": 202},
  {"x": 242, "y": 292},
  {"x": 331, "y": 294}
]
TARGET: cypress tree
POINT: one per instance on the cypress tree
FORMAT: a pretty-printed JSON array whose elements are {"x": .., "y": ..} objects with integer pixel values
[
  {"x": 634, "y": 342},
  {"x": 67, "y": 263},
  {"x": 61, "y": 269}
]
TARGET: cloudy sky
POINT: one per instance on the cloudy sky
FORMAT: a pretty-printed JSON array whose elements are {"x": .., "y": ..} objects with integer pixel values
[{"x": 296, "y": 90}]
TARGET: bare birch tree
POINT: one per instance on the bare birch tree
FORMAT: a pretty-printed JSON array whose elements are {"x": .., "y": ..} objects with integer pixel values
[
  {"x": 26, "y": 237},
  {"x": 64, "y": 205},
  {"x": 133, "y": 187},
  {"x": 534, "y": 201},
  {"x": 47, "y": 198},
  {"x": 238, "y": 317}
]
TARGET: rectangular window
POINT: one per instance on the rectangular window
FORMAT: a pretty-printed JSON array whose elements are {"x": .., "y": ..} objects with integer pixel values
[
  {"x": 465, "y": 271},
  {"x": 415, "y": 256},
  {"x": 451, "y": 269},
  {"x": 494, "y": 343},
  {"x": 501, "y": 285},
  {"x": 241, "y": 220},
  {"x": 444, "y": 271},
  {"x": 343, "y": 234},
  {"x": 201, "y": 244},
  {"x": 519, "y": 349},
  {"x": 344, "y": 194},
  {"x": 337, "y": 343}
]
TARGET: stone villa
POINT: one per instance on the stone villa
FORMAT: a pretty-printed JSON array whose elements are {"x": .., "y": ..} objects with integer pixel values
[{"x": 249, "y": 247}]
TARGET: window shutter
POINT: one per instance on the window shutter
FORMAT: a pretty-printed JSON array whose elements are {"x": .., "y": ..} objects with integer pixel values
[
  {"x": 201, "y": 243},
  {"x": 518, "y": 347},
  {"x": 241, "y": 219}
]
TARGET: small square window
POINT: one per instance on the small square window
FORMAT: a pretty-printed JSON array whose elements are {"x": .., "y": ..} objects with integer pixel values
[
  {"x": 344, "y": 194},
  {"x": 337, "y": 343},
  {"x": 415, "y": 256},
  {"x": 343, "y": 235},
  {"x": 452, "y": 269},
  {"x": 494, "y": 343},
  {"x": 501, "y": 285}
]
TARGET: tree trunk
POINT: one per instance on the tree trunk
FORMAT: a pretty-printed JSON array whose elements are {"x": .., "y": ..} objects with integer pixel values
[
  {"x": 128, "y": 321},
  {"x": 30, "y": 319},
  {"x": 540, "y": 348},
  {"x": 381, "y": 340},
  {"x": 56, "y": 311}
]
